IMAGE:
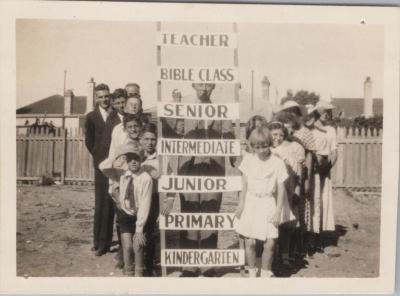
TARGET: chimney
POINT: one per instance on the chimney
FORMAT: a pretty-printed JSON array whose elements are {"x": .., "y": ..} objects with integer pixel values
[
  {"x": 90, "y": 96},
  {"x": 368, "y": 112},
  {"x": 68, "y": 96},
  {"x": 265, "y": 88}
]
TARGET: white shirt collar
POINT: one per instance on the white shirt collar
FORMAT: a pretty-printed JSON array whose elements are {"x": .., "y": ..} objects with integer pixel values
[
  {"x": 151, "y": 156},
  {"x": 121, "y": 117},
  {"x": 104, "y": 113}
]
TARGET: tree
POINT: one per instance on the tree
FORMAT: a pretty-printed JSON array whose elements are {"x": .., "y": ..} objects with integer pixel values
[{"x": 302, "y": 97}]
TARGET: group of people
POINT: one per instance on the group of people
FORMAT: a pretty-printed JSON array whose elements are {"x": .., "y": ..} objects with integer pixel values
[{"x": 286, "y": 191}]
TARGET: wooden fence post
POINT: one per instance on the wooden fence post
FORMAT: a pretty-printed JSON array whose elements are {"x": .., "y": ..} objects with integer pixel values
[{"x": 63, "y": 154}]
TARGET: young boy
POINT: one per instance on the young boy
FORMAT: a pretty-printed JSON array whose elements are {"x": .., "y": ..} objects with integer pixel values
[{"x": 135, "y": 192}]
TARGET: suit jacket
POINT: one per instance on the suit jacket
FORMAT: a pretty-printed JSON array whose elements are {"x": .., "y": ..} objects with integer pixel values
[
  {"x": 112, "y": 120},
  {"x": 94, "y": 129}
]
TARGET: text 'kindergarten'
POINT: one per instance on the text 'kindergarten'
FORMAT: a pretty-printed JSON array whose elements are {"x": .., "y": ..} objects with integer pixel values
[{"x": 202, "y": 257}]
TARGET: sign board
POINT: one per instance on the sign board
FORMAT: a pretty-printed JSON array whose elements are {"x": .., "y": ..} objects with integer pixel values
[
  {"x": 204, "y": 147},
  {"x": 210, "y": 40},
  {"x": 228, "y": 111},
  {"x": 198, "y": 184},
  {"x": 202, "y": 257},
  {"x": 198, "y": 75},
  {"x": 197, "y": 221}
]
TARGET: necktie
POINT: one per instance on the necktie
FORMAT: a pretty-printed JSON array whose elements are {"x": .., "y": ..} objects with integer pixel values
[{"x": 130, "y": 194}]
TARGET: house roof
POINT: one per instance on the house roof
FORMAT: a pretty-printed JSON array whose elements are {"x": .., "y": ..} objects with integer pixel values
[
  {"x": 54, "y": 105},
  {"x": 353, "y": 107}
]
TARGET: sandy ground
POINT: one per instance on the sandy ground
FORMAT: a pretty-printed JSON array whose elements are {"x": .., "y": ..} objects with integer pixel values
[{"x": 54, "y": 232}]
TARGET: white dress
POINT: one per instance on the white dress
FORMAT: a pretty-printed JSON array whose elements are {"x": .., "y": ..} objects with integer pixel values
[{"x": 260, "y": 199}]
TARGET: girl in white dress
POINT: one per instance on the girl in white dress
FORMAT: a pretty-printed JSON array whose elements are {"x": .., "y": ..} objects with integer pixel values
[{"x": 261, "y": 200}]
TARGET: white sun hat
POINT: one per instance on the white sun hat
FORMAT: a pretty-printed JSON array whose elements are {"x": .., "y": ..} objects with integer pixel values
[
  {"x": 324, "y": 105},
  {"x": 289, "y": 104}
]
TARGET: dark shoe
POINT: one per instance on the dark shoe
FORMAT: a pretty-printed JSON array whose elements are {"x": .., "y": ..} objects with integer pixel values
[
  {"x": 187, "y": 273},
  {"x": 210, "y": 273},
  {"x": 94, "y": 249},
  {"x": 101, "y": 252}
]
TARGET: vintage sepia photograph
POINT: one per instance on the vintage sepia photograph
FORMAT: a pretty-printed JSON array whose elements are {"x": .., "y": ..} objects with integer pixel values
[{"x": 178, "y": 148}]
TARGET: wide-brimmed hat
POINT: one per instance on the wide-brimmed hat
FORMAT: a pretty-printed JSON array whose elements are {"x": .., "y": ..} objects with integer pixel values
[
  {"x": 324, "y": 105},
  {"x": 130, "y": 147},
  {"x": 311, "y": 108},
  {"x": 289, "y": 104}
]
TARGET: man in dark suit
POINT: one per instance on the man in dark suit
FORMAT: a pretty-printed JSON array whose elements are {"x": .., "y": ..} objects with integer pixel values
[
  {"x": 103, "y": 212},
  {"x": 116, "y": 116}
]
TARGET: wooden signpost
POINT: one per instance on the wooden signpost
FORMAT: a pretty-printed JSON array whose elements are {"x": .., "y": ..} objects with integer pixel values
[{"x": 185, "y": 147}]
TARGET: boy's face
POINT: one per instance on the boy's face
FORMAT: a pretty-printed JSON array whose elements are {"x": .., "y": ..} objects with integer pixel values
[
  {"x": 149, "y": 142},
  {"x": 262, "y": 150},
  {"x": 277, "y": 137},
  {"x": 103, "y": 98},
  {"x": 119, "y": 105},
  {"x": 133, "y": 106},
  {"x": 132, "y": 90},
  {"x": 134, "y": 165},
  {"x": 133, "y": 129}
]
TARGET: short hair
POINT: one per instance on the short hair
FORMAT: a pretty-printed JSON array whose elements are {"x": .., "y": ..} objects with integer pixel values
[
  {"x": 136, "y": 96},
  {"x": 287, "y": 117},
  {"x": 131, "y": 117},
  {"x": 119, "y": 93},
  {"x": 101, "y": 86},
  {"x": 132, "y": 156},
  {"x": 149, "y": 128},
  {"x": 251, "y": 123},
  {"x": 260, "y": 135},
  {"x": 274, "y": 125},
  {"x": 132, "y": 84}
]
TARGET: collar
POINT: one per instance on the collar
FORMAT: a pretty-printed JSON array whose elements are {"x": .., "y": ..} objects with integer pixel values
[
  {"x": 129, "y": 174},
  {"x": 151, "y": 156}
]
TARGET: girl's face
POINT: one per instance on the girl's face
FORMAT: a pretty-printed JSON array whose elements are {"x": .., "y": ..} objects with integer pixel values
[
  {"x": 262, "y": 150},
  {"x": 134, "y": 165},
  {"x": 119, "y": 104},
  {"x": 149, "y": 142},
  {"x": 309, "y": 122},
  {"x": 258, "y": 123},
  {"x": 277, "y": 137},
  {"x": 133, "y": 129},
  {"x": 289, "y": 127}
]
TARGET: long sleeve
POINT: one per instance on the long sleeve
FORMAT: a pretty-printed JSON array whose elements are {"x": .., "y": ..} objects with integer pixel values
[
  {"x": 89, "y": 133},
  {"x": 144, "y": 202}
]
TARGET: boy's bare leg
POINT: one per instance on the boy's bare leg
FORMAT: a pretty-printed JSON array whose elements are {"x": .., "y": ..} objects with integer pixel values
[{"x": 127, "y": 252}]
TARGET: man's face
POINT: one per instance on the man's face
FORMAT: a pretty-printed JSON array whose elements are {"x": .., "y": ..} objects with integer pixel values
[
  {"x": 203, "y": 91},
  {"x": 149, "y": 142},
  {"x": 103, "y": 98},
  {"x": 133, "y": 106},
  {"x": 180, "y": 127},
  {"x": 119, "y": 105},
  {"x": 134, "y": 165},
  {"x": 132, "y": 90},
  {"x": 133, "y": 129}
]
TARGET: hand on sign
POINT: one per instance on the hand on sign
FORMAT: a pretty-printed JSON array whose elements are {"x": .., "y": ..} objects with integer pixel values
[
  {"x": 139, "y": 240},
  {"x": 155, "y": 174},
  {"x": 168, "y": 207}
]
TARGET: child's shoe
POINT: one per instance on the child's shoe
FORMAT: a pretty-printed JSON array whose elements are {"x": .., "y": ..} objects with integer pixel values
[
  {"x": 266, "y": 273},
  {"x": 252, "y": 272}
]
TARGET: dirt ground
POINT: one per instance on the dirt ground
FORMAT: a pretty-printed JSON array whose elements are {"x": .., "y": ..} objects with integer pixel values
[{"x": 54, "y": 234}]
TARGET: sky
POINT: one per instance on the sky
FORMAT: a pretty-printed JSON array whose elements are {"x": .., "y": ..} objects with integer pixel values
[{"x": 331, "y": 60}]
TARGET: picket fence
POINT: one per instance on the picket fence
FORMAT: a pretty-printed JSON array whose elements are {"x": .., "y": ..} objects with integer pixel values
[{"x": 63, "y": 156}]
